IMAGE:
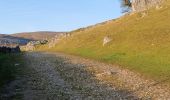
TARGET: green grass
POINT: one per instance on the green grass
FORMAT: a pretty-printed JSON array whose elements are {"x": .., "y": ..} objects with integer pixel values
[
  {"x": 139, "y": 44},
  {"x": 7, "y": 67}
]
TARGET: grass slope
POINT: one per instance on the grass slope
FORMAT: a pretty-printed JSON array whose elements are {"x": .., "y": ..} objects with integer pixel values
[{"x": 139, "y": 43}]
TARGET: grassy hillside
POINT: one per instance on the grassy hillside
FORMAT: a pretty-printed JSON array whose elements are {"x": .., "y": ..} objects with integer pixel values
[{"x": 141, "y": 44}]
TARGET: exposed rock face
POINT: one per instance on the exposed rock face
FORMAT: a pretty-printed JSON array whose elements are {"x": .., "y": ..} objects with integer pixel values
[
  {"x": 31, "y": 45},
  {"x": 54, "y": 41},
  {"x": 141, "y": 5}
]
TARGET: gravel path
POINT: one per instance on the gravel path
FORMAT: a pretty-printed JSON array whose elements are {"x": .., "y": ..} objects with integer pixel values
[{"x": 56, "y": 76}]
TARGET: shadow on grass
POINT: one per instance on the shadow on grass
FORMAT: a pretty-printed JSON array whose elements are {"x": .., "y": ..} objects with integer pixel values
[{"x": 9, "y": 70}]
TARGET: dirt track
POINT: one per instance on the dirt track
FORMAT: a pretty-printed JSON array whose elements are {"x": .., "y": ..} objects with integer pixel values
[{"x": 52, "y": 76}]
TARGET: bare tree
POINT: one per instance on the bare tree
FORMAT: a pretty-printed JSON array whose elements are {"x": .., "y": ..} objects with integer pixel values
[{"x": 127, "y": 3}]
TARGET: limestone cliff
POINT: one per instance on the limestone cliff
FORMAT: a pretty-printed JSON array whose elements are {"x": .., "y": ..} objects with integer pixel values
[{"x": 141, "y": 5}]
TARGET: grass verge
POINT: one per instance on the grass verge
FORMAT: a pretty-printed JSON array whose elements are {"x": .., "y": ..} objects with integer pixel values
[{"x": 8, "y": 67}]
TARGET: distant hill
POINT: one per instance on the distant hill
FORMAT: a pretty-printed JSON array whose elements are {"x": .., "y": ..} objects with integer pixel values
[
  {"x": 24, "y": 38},
  {"x": 41, "y": 35},
  {"x": 7, "y": 39}
]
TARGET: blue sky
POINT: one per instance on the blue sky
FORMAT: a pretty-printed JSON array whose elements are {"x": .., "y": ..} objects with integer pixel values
[{"x": 54, "y": 15}]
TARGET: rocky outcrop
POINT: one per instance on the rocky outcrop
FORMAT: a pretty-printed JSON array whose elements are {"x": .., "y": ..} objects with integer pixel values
[
  {"x": 31, "y": 45},
  {"x": 54, "y": 41},
  {"x": 141, "y": 5}
]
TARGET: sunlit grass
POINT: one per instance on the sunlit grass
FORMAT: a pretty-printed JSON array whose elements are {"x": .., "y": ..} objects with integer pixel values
[{"x": 141, "y": 44}]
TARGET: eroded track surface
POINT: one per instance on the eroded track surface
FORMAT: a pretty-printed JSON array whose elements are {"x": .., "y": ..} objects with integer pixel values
[{"x": 52, "y": 76}]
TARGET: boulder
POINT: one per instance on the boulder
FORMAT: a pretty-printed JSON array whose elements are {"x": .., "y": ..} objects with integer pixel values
[{"x": 106, "y": 40}]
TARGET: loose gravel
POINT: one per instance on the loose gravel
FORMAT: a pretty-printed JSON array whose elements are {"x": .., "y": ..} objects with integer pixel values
[{"x": 56, "y": 76}]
